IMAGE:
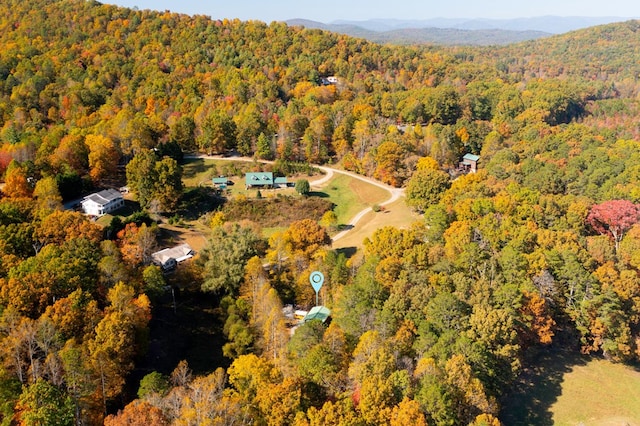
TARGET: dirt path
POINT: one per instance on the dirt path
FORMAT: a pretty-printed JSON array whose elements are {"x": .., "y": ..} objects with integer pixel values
[{"x": 395, "y": 193}]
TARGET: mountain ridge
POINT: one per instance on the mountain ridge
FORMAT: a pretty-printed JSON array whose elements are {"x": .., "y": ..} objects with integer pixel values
[{"x": 449, "y": 31}]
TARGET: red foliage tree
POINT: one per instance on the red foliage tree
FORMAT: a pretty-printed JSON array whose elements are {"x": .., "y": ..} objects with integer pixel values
[{"x": 614, "y": 218}]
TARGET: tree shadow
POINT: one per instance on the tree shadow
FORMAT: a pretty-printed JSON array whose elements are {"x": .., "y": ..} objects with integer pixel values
[
  {"x": 197, "y": 201},
  {"x": 197, "y": 166},
  {"x": 347, "y": 251},
  {"x": 530, "y": 400},
  {"x": 318, "y": 194}
]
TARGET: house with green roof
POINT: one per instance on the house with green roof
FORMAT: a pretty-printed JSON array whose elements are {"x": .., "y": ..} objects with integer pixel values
[{"x": 264, "y": 180}]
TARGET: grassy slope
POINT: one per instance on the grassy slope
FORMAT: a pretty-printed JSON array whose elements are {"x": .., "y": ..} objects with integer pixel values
[
  {"x": 396, "y": 214},
  {"x": 565, "y": 388},
  {"x": 351, "y": 196}
]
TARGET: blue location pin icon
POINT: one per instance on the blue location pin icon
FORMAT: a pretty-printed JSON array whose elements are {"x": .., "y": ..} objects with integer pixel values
[{"x": 317, "y": 279}]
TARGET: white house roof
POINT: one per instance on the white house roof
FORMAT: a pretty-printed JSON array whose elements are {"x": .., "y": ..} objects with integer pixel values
[
  {"x": 103, "y": 197},
  {"x": 179, "y": 253}
]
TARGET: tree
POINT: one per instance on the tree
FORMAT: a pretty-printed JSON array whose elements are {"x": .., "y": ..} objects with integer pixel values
[
  {"x": 305, "y": 237},
  {"x": 168, "y": 183},
  {"x": 118, "y": 338},
  {"x": 137, "y": 413},
  {"x": 182, "y": 132},
  {"x": 426, "y": 187},
  {"x": 66, "y": 225},
  {"x": 303, "y": 187},
  {"x": 389, "y": 165},
  {"x": 614, "y": 218},
  {"x": 103, "y": 157},
  {"x": 153, "y": 383},
  {"x": 218, "y": 133},
  {"x": 16, "y": 183},
  {"x": 263, "y": 148},
  {"x": 137, "y": 243},
  {"x": 225, "y": 257},
  {"x": 72, "y": 152},
  {"x": 155, "y": 180},
  {"x": 48, "y": 195},
  {"x": 41, "y": 403},
  {"x": 329, "y": 220},
  {"x": 154, "y": 283}
]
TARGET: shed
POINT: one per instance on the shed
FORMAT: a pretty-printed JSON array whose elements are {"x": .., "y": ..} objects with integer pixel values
[
  {"x": 170, "y": 257},
  {"x": 220, "y": 182},
  {"x": 103, "y": 202},
  {"x": 280, "y": 182},
  {"x": 321, "y": 313},
  {"x": 469, "y": 163}
]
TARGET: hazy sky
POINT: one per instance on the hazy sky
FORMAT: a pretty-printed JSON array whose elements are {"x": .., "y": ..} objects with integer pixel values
[{"x": 330, "y": 10}]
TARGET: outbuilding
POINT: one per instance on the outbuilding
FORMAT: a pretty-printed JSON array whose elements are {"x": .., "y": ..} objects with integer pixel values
[
  {"x": 321, "y": 313},
  {"x": 169, "y": 258},
  {"x": 469, "y": 163}
]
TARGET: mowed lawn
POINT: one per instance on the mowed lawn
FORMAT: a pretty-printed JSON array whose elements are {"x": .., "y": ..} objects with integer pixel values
[
  {"x": 568, "y": 389},
  {"x": 599, "y": 393},
  {"x": 396, "y": 214},
  {"x": 351, "y": 196}
]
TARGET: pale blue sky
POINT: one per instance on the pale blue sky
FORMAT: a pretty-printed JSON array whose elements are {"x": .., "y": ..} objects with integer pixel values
[{"x": 330, "y": 10}]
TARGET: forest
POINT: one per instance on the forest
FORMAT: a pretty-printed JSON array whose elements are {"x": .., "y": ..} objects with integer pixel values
[{"x": 432, "y": 324}]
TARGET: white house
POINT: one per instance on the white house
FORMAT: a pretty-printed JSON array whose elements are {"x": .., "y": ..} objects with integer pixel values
[
  {"x": 103, "y": 202},
  {"x": 170, "y": 257}
]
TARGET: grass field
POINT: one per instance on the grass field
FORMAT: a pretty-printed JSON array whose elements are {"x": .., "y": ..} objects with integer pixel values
[
  {"x": 351, "y": 196},
  {"x": 568, "y": 389},
  {"x": 397, "y": 214}
]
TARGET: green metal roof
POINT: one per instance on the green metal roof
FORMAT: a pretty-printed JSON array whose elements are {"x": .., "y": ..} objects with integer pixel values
[
  {"x": 317, "y": 312},
  {"x": 219, "y": 180},
  {"x": 471, "y": 157},
  {"x": 280, "y": 180},
  {"x": 259, "y": 178}
]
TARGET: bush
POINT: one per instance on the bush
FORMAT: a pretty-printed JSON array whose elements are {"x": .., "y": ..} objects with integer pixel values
[{"x": 303, "y": 187}]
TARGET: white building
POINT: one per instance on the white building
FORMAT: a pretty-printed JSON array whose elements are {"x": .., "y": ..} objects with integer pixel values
[
  {"x": 103, "y": 202},
  {"x": 170, "y": 257}
]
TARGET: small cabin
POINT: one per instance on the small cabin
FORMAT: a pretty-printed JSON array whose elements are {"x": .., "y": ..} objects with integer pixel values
[
  {"x": 220, "y": 182},
  {"x": 321, "y": 313},
  {"x": 469, "y": 163}
]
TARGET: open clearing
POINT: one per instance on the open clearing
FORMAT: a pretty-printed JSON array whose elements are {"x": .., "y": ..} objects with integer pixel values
[
  {"x": 350, "y": 195},
  {"x": 396, "y": 214},
  {"x": 568, "y": 389}
]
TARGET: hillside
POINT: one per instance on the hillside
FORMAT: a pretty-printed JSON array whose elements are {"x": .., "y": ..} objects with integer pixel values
[{"x": 436, "y": 323}]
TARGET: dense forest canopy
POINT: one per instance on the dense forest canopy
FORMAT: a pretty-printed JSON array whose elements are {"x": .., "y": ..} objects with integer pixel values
[{"x": 431, "y": 325}]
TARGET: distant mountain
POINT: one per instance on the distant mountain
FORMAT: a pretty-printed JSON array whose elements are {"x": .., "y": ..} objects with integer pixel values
[
  {"x": 547, "y": 24},
  {"x": 447, "y": 31},
  {"x": 443, "y": 36}
]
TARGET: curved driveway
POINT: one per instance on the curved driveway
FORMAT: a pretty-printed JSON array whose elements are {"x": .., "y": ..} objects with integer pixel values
[{"x": 396, "y": 193}]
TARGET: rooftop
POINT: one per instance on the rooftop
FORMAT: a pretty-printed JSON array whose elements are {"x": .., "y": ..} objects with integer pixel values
[
  {"x": 103, "y": 197},
  {"x": 179, "y": 253},
  {"x": 318, "y": 312}
]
